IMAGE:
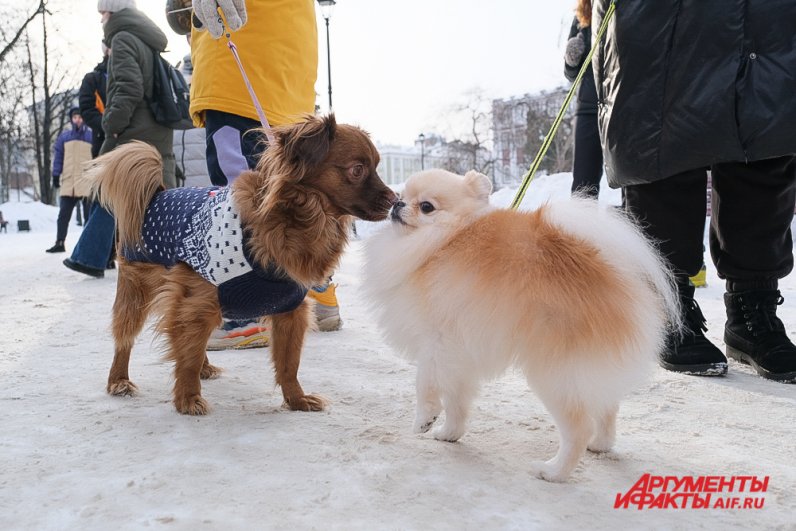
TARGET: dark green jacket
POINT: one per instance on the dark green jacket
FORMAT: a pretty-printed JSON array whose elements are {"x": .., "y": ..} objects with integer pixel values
[{"x": 132, "y": 37}]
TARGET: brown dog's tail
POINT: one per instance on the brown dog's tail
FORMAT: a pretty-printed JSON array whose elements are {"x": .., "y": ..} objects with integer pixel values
[{"x": 124, "y": 181}]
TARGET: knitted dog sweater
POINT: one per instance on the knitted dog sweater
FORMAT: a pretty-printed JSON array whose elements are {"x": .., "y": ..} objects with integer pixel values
[{"x": 201, "y": 227}]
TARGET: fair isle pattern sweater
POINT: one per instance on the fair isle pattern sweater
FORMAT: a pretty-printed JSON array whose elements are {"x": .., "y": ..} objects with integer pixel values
[{"x": 201, "y": 227}]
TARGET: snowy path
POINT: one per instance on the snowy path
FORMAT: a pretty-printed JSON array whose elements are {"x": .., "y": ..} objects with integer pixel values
[{"x": 72, "y": 457}]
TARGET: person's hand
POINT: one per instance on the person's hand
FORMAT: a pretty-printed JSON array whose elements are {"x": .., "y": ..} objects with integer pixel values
[
  {"x": 206, "y": 11},
  {"x": 575, "y": 49},
  {"x": 56, "y": 181}
]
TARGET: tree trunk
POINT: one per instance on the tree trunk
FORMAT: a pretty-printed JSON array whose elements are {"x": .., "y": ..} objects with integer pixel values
[
  {"x": 45, "y": 177},
  {"x": 35, "y": 108}
]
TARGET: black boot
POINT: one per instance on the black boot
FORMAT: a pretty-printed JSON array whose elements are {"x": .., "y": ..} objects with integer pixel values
[
  {"x": 57, "y": 248},
  {"x": 691, "y": 352},
  {"x": 756, "y": 336}
]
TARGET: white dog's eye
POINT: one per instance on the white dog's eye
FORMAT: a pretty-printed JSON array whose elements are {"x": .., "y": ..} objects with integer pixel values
[{"x": 426, "y": 207}]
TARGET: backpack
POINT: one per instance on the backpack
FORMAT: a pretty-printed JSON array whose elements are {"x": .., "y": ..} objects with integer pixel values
[{"x": 170, "y": 99}]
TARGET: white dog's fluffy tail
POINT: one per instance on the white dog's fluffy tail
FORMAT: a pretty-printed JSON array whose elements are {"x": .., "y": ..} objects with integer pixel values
[{"x": 624, "y": 246}]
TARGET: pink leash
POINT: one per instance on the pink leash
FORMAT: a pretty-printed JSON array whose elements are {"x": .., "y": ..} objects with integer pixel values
[{"x": 257, "y": 106}]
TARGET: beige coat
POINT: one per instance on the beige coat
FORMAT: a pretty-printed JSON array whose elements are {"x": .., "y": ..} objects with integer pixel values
[{"x": 77, "y": 154}]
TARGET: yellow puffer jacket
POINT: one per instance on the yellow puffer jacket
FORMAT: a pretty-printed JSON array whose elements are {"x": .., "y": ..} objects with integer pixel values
[{"x": 278, "y": 47}]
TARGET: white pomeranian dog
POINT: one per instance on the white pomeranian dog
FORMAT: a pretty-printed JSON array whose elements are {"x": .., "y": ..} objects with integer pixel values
[{"x": 573, "y": 295}]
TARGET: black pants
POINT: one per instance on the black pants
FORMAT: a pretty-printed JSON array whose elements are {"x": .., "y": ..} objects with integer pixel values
[
  {"x": 587, "y": 169},
  {"x": 66, "y": 205},
  {"x": 752, "y": 208}
]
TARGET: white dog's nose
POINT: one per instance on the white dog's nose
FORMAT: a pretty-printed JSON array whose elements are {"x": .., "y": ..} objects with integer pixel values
[{"x": 395, "y": 211}]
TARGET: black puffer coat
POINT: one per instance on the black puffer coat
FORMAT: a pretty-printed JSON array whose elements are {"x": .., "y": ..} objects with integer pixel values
[
  {"x": 683, "y": 84},
  {"x": 92, "y": 100}
]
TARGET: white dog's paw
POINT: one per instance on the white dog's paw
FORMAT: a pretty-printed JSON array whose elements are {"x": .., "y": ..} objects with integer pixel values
[
  {"x": 422, "y": 425},
  {"x": 448, "y": 433},
  {"x": 543, "y": 470},
  {"x": 603, "y": 440},
  {"x": 599, "y": 445}
]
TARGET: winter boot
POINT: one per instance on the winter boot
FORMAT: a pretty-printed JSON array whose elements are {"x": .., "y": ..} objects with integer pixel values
[
  {"x": 689, "y": 351},
  {"x": 756, "y": 336},
  {"x": 57, "y": 248}
]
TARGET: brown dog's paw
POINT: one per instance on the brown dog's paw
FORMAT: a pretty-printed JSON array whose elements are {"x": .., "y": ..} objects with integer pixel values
[
  {"x": 210, "y": 372},
  {"x": 122, "y": 388},
  {"x": 307, "y": 403},
  {"x": 192, "y": 405}
]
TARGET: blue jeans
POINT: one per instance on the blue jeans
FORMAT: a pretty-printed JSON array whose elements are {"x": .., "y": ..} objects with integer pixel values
[{"x": 94, "y": 246}]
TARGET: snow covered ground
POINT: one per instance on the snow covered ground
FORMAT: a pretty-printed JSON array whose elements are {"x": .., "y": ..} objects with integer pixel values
[{"x": 72, "y": 457}]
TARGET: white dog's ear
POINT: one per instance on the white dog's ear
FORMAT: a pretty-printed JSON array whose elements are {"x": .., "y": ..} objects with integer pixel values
[{"x": 479, "y": 184}]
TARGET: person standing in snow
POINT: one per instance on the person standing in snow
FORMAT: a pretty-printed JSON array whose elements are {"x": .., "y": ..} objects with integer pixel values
[
  {"x": 133, "y": 40},
  {"x": 72, "y": 151},
  {"x": 686, "y": 86},
  {"x": 587, "y": 168},
  {"x": 278, "y": 46},
  {"x": 92, "y": 99}
]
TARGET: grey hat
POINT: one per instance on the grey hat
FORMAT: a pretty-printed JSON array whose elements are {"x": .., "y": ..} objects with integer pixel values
[{"x": 114, "y": 5}]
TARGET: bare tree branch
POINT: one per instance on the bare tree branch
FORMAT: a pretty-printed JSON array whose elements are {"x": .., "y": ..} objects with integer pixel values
[{"x": 21, "y": 30}]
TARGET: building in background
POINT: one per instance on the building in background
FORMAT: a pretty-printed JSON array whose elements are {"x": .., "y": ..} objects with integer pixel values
[
  {"x": 398, "y": 163},
  {"x": 520, "y": 124}
]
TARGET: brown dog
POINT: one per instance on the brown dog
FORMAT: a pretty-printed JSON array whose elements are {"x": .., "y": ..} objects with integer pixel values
[{"x": 179, "y": 256}]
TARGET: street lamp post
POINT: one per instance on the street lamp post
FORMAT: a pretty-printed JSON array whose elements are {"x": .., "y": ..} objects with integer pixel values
[
  {"x": 422, "y": 139},
  {"x": 327, "y": 6}
]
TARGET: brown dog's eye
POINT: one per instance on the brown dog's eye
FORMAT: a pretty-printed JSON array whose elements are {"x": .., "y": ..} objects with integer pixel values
[
  {"x": 357, "y": 171},
  {"x": 426, "y": 207}
]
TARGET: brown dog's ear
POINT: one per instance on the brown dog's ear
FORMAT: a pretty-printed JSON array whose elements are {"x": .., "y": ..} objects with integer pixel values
[{"x": 307, "y": 143}]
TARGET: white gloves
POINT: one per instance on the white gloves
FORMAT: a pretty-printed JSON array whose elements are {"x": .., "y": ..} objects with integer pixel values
[{"x": 206, "y": 11}]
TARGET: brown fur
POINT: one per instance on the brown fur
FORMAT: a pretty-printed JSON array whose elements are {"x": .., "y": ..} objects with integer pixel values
[
  {"x": 572, "y": 291},
  {"x": 298, "y": 208}
]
